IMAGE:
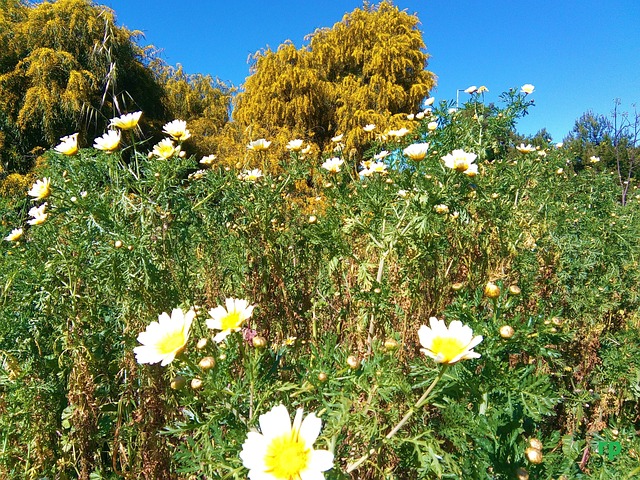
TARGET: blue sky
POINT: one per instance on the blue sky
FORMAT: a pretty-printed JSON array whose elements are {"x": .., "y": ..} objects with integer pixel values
[{"x": 579, "y": 54}]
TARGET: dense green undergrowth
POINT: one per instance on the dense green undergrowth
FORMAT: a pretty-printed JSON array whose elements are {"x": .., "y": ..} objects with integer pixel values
[{"x": 342, "y": 269}]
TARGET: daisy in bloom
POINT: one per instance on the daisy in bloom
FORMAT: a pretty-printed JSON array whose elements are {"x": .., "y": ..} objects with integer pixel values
[
  {"x": 166, "y": 338},
  {"x": 381, "y": 155},
  {"x": 251, "y": 175},
  {"x": 306, "y": 149},
  {"x": 471, "y": 89},
  {"x": 208, "y": 160},
  {"x": 177, "y": 130},
  {"x": 333, "y": 164},
  {"x": 68, "y": 145},
  {"x": 38, "y": 214},
  {"x": 259, "y": 145},
  {"x": 411, "y": 116},
  {"x": 460, "y": 160},
  {"x": 452, "y": 110},
  {"x": 432, "y": 126},
  {"x": 230, "y": 319},
  {"x": 282, "y": 451},
  {"x": 527, "y": 88},
  {"x": 378, "y": 167},
  {"x": 126, "y": 121},
  {"x": 165, "y": 149},
  {"x": 294, "y": 145},
  {"x": 15, "y": 234},
  {"x": 416, "y": 151},
  {"x": 429, "y": 101},
  {"x": 369, "y": 127},
  {"x": 419, "y": 115},
  {"x": 482, "y": 89},
  {"x": 594, "y": 159},
  {"x": 108, "y": 142},
  {"x": 398, "y": 133},
  {"x": 522, "y": 148},
  {"x": 337, "y": 138},
  {"x": 41, "y": 189},
  {"x": 448, "y": 345},
  {"x": 441, "y": 209}
]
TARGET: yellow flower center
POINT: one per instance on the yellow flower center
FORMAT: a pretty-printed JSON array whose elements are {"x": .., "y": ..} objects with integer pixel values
[
  {"x": 287, "y": 456},
  {"x": 231, "y": 320},
  {"x": 447, "y": 347},
  {"x": 171, "y": 342},
  {"x": 461, "y": 164}
]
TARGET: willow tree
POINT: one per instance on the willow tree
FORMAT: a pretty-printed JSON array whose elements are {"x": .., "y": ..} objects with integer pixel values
[{"x": 365, "y": 69}]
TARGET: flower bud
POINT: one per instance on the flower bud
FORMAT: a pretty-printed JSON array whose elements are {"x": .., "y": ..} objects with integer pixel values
[
  {"x": 259, "y": 342},
  {"x": 313, "y": 219},
  {"x": 118, "y": 243},
  {"x": 514, "y": 290},
  {"x": 557, "y": 321},
  {"x": 535, "y": 443},
  {"x": 457, "y": 286},
  {"x": 533, "y": 455},
  {"x": 322, "y": 377},
  {"x": 507, "y": 331},
  {"x": 196, "y": 383},
  {"x": 353, "y": 362},
  {"x": 390, "y": 344},
  {"x": 207, "y": 363},
  {"x": 522, "y": 474},
  {"x": 491, "y": 290},
  {"x": 202, "y": 343},
  {"x": 178, "y": 382}
]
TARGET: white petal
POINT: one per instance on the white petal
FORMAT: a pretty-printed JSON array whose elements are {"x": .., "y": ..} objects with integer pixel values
[
  {"x": 425, "y": 335},
  {"x": 260, "y": 475},
  {"x": 254, "y": 450},
  {"x": 311, "y": 475},
  {"x": 310, "y": 429},
  {"x": 475, "y": 341},
  {"x": 231, "y": 304},
  {"x": 221, "y": 336},
  {"x": 321, "y": 460},
  {"x": 214, "y": 323},
  {"x": 275, "y": 422},
  {"x": 218, "y": 313}
]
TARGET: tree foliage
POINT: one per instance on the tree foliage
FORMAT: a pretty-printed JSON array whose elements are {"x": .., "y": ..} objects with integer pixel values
[
  {"x": 67, "y": 67},
  {"x": 365, "y": 69}
]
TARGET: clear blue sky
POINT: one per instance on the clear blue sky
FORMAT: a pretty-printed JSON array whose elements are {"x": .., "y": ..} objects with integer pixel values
[{"x": 579, "y": 54}]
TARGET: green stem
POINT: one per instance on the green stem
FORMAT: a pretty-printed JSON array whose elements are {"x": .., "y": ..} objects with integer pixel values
[{"x": 421, "y": 401}]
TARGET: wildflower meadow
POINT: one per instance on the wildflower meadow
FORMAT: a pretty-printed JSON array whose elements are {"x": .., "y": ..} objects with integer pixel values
[
  {"x": 449, "y": 307},
  {"x": 420, "y": 295}
]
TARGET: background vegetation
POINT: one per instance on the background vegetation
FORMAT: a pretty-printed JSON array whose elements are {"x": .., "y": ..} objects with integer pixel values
[{"x": 338, "y": 266}]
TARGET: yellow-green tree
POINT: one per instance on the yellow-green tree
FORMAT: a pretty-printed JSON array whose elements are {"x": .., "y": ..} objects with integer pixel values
[
  {"x": 365, "y": 69},
  {"x": 66, "y": 67},
  {"x": 202, "y": 101}
]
